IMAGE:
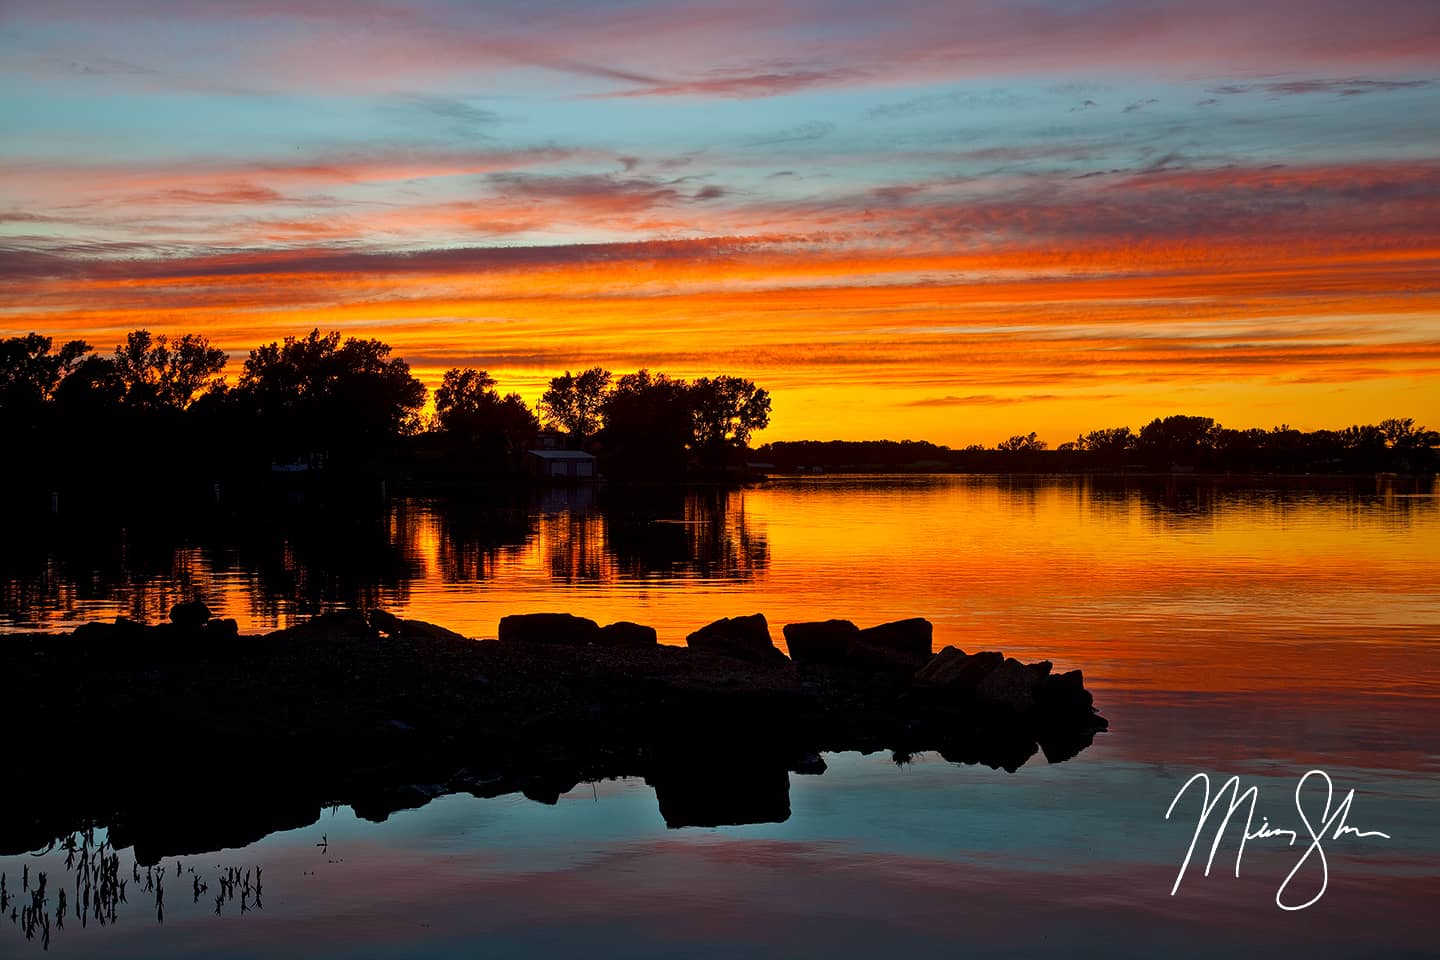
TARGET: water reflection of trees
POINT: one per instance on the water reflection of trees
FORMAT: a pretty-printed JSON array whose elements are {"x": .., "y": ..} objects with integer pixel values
[
  {"x": 474, "y": 534},
  {"x": 702, "y": 533},
  {"x": 1187, "y": 504},
  {"x": 280, "y": 559},
  {"x": 589, "y": 536},
  {"x": 314, "y": 559},
  {"x": 298, "y": 557}
]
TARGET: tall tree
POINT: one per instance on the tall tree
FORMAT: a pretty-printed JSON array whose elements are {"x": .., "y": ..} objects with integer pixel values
[
  {"x": 468, "y": 408},
  {"x": 1179, "y": 436},
  {"x": 726, "y": 410},
  {"x": 575, "y": 402},
  {"x": 1022, "y": 443},
  {"x": 463, "y": 398},
  {"x": 649, "y": 425},
  {"x": 160, "y": 374},
  {"x": 30, "y": 373},
  {"x": 314, "y": 391}
]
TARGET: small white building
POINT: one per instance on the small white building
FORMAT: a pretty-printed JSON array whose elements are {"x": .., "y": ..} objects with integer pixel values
[{"x": 561, "y": 465}]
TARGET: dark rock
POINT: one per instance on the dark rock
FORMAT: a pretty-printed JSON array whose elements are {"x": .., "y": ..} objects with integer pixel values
[
  {"x": 92, "y": 632},
  {"x": 821, "y": 642},
  {"x": 226, "y": 629},
  {"x": 953, "y": 669},
  {"x": 192, "y": 614},
  {"x": 324, "y": 713},
  {"x": 810, "y": 765},
  {"x": 626, "y": 634},
  {"x": 899, "y": 648},
  {"x": 722, "y": 791},
  {"x": 874, "y": 658},
  {"x": 742, "y": 638},
  {"x": 1065, "y": 693},
  {"x": 123, "y": 630},
  {"x": 127, "y": 629},
  {"x": 384, "y": 621},
  {"x": 388, "y": 623},
  {"x": 376, "y": 805},
  {"x": 329, "y": 627},
  {"x": 913, "y": 637},
  {"x": 552, "y": 628},
  {"x": 1011, "y": 685},
  {"x": 1003, "y": 747}
]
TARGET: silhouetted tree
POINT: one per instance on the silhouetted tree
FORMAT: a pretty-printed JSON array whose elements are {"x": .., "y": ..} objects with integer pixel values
[
  {"x": 1402, "y": 434},
  {"x": 462, "y": 399},
  {"x": 315, "y": 393},
  {"x": 160, "y": 374},
  {"x": 30, "y": 373},
  {"x": 1021, "y": 443},
  {"x": 725, "y": 411},
  {"x": 1188, "y": 438},
  {"x": 1108, "y": 441},
  {"x": 92, "y": 390},
  {"x": 575, "y": 402},
  {"x": 468, "y": 408},
  {"x": 649, "y": 425}
]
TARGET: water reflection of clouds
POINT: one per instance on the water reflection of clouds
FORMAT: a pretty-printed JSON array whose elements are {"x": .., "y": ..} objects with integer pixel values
[{"x": 929, "y": 859}]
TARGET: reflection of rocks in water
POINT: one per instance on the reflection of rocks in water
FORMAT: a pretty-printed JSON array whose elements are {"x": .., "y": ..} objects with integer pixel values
[
  {"x": 95, "y": 889},
  {"x": 196, "y": 742},
  {"x": 721, "y": 790}
]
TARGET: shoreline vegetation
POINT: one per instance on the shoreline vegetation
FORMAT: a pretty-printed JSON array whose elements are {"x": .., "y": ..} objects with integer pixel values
[
  {"x": 159, "y": 414},
  {"x": 188, "y": 737}
]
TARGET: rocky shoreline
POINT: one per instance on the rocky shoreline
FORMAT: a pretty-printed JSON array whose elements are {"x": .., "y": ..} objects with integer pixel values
[{"x": 187, "y": 737}]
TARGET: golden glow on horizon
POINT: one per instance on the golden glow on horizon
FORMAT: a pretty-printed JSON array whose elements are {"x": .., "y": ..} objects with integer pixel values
[{"x": 956, "y": 349}]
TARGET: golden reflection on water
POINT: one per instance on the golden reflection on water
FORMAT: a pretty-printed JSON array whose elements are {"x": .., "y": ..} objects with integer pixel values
[{"x": 1179, "y": 585}]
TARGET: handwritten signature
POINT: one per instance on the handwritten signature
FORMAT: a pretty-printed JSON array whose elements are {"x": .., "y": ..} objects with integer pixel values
[{"x": 1331, "y": 825}]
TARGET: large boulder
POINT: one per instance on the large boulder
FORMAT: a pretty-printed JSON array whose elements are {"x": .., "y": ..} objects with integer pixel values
[
  {"x": 385, "y": 622},
  {"x": 123, "y": 630},
  {"x": 913, "y": 637},
  {"x": 328, "y": 627},
  {"x": 388, "y": 623},
  {"x": 901, "y": 647},
  {"x": 1012, "y": 685},
  {"x": 953, "y": 669},
  {"x": 623, "y": 633},
  {"x": 1065, "y": 693},
  {"x": 742, "y": 638},
  {"x": 192, "y": 614},
  {"x": 551, "y": 628},
  {"x": 821, "y": 642},
  {"x": 226, "y": 629}
]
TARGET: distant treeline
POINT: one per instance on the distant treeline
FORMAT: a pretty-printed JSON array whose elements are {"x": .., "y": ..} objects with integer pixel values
[
  {"x": 1163, "y": 444},
  {"x": 159, "y": 407}
]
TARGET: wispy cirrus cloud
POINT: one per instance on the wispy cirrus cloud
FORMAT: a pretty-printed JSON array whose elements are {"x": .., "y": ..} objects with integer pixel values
[
  {"x": 992, "y": 399},
  {"x": 741, "y": 84},
  {"x": 1348, "y": 87}
]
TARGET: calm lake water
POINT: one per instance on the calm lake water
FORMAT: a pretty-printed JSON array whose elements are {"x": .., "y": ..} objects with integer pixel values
[{"x": 1229, "y": 630}]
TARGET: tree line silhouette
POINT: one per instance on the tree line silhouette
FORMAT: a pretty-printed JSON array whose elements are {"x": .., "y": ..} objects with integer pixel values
[
  {"x": 159, "y": 408},
  {"x": 1165, "y": 443},
  {"x": 161, "y": 405}
]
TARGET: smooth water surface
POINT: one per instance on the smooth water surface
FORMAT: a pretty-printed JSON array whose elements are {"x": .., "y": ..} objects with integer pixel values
[{"x": 1258, "y": 632}]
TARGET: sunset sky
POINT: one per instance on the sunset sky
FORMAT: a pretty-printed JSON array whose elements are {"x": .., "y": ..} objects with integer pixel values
[{"x": 950, "y": 220}]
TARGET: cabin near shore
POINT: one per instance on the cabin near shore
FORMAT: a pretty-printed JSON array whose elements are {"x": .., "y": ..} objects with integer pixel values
[{"x": 561, "y": 466}]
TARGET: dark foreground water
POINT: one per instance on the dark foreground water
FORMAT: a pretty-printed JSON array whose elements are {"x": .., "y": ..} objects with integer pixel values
[{"x": 1262, "y": 633}]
